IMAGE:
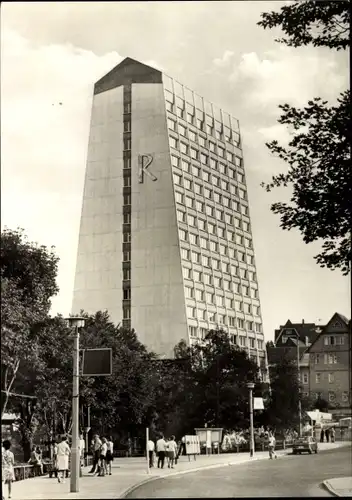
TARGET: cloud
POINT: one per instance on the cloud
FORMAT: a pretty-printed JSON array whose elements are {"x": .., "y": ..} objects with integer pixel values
[
  {"x": 288, "y": 75},
  {"x": 225, "y": 59}
]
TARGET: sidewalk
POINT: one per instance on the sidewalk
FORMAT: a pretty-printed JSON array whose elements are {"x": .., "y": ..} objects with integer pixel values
[
  {"x": 339, "y": 486},
  {"x": 128, "y": 473}
]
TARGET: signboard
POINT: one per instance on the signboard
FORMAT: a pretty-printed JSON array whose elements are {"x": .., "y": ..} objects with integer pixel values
[
  {"x": 144, "y": 161},
  {"x": 192, "y": 445},
  {"x": 97, "y": 362},
  {"x": 258, "y": 404}
]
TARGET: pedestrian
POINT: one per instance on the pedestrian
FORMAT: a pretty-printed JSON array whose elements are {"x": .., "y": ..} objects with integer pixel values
[
  {"x": 161, "y": 449},
  {"x": 63, "y": 453},
  {"x": 34, "y": 461},
  {"x": 151, "y": 449},
  {"x": 109, "y": 455},
  {"x": 332, "y": 435},
  {"x": 7, "y": 463},
  {"x": 103, "y": 451},
  {"x": 271, "y": 446},
  {"x": 327, "y": 434},
  {"x": 40, "y": 461},
  {"x": 322, "y": 436},
  {"x": 96, "y": 445},
  {"x": 53, "y": 458},
  {"x": 172, "y": 450}
]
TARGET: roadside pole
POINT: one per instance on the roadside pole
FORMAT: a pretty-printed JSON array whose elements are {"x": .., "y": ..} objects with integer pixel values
[{"x": 146, "y": 448}]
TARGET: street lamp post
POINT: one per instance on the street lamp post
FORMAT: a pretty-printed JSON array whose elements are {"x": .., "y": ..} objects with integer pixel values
[
  {"x": 299, "y": 396},
  {"x": 250, "y": 386},
  {"x": 76, "y": 323}
]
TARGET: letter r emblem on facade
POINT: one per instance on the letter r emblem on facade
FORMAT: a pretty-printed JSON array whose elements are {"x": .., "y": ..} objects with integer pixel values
[{"x": 144, "y": 161}]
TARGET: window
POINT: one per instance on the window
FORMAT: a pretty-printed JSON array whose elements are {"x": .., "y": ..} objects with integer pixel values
[
  {"x": 340, "y": 340},
  {"x": 127, "y": 294},
  {"x": 228, "y": 218},
  {"x": 219, "y": 214},
  {"x": 251, "y": 343},
  {"x": 200, "y": 124},
  {"x": 126, "y": 144},
  {"x": 189, "y": 292},
  {"x": 242, "y": 341},
  {"x": 182, "y": 130},
  {"x": 248, "y": 308},
  {"x": 192, "y": 136},
  {"x": 317, "y": 359},
  {"x": 126, "y": 163},
  {"x": 254, "y": 293},
  {"x": 232, "y": 321},
  {"x": 250, "y": 325},
  {"x": 202, "y": 141},
  {"x": 177, "y": 179},
  {"x": 183, "y": 234},
  {"x": 197, "y": 276},
  {"x": 209, "y": 129},
  {"x": 192, "y": 331},
  {"x": 194, "y": 154},
  {"x": 245, "y": 290},
  {"x": 127, "y": 126},
  {"x": 329, "y": 340},
  {"x": 127, "y": 274},
  {"x": 198, "y": 189},
  {"x": 127, "y": 181},
  {"x": 209, "y": 210},
  {"x": 208, "y": 279},
  {"x": 191, "y": 220},
  {"x": 225, "y": 201},
  {"x": 185, "y": 166},
  {"x": 238, "y": 305},
  {"x": 217, "y": 197},
  {"x": 243, "y": 273},
  {"x": 195, "y": 171},
  {"x": 234, "y": 270},
  {"x": 220, "y": 300},
  {"x": 210, "y": 297},
  {"x": 206, "y": 261},
  {"x": 305, "y": 378},
  {"x": 242, "y": 194},
  {"x": 126, "y": 237},
  {"x": 185, "y": 253},
  {"x": 211, "y": 227},
  {"x": 223, "y": 170},
  {"x": 189, "y": 202},
  {"x": 187, "y": 273},
  {"x": 223, "y": 250},
  {"x": 200, "y": 206},
  {"x": 187, "y": 183},
  {"x": 330, "y": 359},
  {"x": 204, "y": 158},
  {"x": 212, "y": 163},
  {"x": 213, "y": 246},
  {"x": 127, "y": 218},
  {"x": 171, "y": 124},
  {"x": 226, "y": 268},
  {"x": 227, "y": 284},
  {"x": 229, "y": 303},
  {"x": 179, "y": 197},
  {"x": 200, "y": 295},
  {"x": 203, "y": 242},
  {"x": 216, "y": 264},
  {"x": 236, "y": 287},
  {"x": 190, "y": 118},
  {"x": 211, "y": 146},
  {"x": 221, "y": 152},
  {"x": 331, "y": 378},
  {"x": 169, "y": 106},
  {"x": 239, "y": 239},
  {"x": 127, "y": 199},
  {"x": 216, "y": 180},
  {"x": 202, "y": 224},
  {"x": 229, "y": 156},
  {"x": 332, "y": 396},
  {"x": 235, "y": 206},
  {"x": 245, "y": 226},
  {"x": 206, "y": 176},
  {"x": 179, "y": 112},
  {"x": 191, "y": 312},
  {"x": 317, "y": 378},
  {"x": 240, "y": 177},
  {"x": 126, "y": 313},
  {"x": 240, "y": 323},
  {"x": 258, "y": 327},
  {"x": 212, "y": 317},
  {"x": 193, "y": 239},
  {"x": 221, "y": 233},
  {"x": 202, "y": 314},
  {"x": 217, "y": 282},
  {"x": 244, "y": 210},
  {"x": 222, "y": 319},
  {"x": 183, "y": 147},
  {"x": 127, "y": 108},
  {"x": 173, "y": 143},
  {"x": 344, "y": 396},
  {"x": 195, "y": 257},
  {"x": 174, "y": 161}
]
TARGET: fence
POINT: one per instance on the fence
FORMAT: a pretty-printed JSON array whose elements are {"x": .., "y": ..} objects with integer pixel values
[{"x": 262, "y": 446}]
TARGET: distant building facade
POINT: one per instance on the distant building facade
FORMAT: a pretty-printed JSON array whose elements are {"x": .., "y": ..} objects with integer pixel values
[{"x": 324, "y": 357}]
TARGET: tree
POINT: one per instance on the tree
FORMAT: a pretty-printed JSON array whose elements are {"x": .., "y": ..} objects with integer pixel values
[
  {"x": 28, "y": 281},
  {"x": 318, "y": 155},
  {"x": 283, "y": 404}
]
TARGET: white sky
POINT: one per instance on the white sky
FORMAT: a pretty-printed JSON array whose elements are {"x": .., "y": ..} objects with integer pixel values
[{"x": 54, "y": 52}]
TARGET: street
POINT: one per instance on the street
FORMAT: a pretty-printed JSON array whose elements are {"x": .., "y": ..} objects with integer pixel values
[{"x": 298, "y": 476}]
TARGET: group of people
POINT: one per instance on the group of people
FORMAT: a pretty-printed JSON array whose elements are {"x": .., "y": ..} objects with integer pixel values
[
  {"x": 329, "y": 434},
  {"x": 36, "y": 459},
  {"x": 103, "y": 455},
  {"x": 165, "y": 449}
]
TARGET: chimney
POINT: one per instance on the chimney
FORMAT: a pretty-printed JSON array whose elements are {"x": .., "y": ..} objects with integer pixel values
[
  {"x": 307, "y": 341},
  {"x": 302, "y": 321}
]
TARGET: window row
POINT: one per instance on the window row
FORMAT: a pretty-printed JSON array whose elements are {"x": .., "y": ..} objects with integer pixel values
[
  {"x": 319, "y": 376},
  {"x": 203, "y": 121},
  {"x": 203, "y": 242},
  {"x": 329, "y": 358},
  {"x": 227, "y": 285},
  {"x": 332, "y": 396},
  {"x": 334, "y": 340},
  {"x": 186, "y": 255},
  {"x": 202, "y": 141},
  {"x": 242, "y": 340},
  {"x": 209, "y": 297},
  {"x": 212, "y": 228}
]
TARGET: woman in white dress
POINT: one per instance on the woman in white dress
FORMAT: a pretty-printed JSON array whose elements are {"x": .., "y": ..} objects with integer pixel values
[
  {"x": 7, "y": 462},
  {"x": 63, "y": 453}
]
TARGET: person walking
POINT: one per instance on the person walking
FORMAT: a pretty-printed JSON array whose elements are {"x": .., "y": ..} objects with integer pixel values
[
  {"x": 63, "y": 453},
  {"x": 7, "y": 463},
  {"x": 172, "y": 451},
  {"x": 96, "y": 445},
  {"x": 151, "y": 449},
  {"x": 109, "y": 455},
  {"x": 103, "y": 451},
  {"x": 271, "y": 446},
  {"x": 82, "y": 449},
  {"x": 332, "y": 435},
  {"x": 327, "y": 434},
  {"x": 161, "y": 449},
  {"x": 322, "y": 436},
  {"x": 40, "y": 461}
]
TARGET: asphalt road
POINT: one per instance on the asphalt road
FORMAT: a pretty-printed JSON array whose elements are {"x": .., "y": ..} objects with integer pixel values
[{"x": 298, "y": 476}]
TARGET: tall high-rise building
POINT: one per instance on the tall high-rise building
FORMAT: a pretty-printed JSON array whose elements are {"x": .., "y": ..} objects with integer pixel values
[{"x": 165, "y": 241}]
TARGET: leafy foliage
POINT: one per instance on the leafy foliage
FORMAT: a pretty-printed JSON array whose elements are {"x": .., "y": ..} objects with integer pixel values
[
  {"x": 318, "y": 155},
  {"x": 320, "y": 23}
]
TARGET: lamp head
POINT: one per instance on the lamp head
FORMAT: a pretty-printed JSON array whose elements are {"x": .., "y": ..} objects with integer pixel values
[
  {"x": 74, "y": 321},
  {"x": 250, "y": 385}
]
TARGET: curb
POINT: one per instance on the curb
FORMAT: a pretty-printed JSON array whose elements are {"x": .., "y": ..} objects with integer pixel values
[
  {"x": 189, "y": 471},
  {"x": 330, "y": 489}
]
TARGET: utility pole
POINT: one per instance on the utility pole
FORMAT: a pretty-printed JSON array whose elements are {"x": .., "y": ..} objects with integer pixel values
[{"x": 250, "y": 386}]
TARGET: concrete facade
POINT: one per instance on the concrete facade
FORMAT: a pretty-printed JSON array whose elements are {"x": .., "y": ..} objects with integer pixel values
[{"x": 167, "y": 249}]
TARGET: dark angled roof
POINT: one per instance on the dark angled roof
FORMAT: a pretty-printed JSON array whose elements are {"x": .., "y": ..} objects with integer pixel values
[
  {"x": 127, "y": 72},
  {"x": 336, "y": 316},
  {"x": 275, "y": 354},
  {"x": 303, "y": 329}
]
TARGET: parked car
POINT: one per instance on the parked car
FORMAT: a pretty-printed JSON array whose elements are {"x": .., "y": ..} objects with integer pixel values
[{"x": 307, "y": 444}]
